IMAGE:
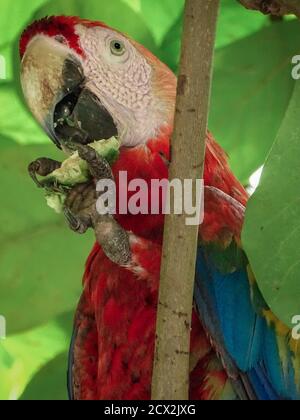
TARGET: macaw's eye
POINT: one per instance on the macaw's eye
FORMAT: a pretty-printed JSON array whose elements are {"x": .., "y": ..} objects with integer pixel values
[{"x": 117, "y": 47}]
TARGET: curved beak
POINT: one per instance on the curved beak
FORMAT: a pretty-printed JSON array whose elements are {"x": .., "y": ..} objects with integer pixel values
[{"x": 53, "y": 83}]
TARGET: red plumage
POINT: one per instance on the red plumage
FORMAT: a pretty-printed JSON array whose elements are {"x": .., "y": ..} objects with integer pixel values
[
  {"x": 57, "y": 26},
  {"x": 123, "y": 301},
  {"x": 115, "y": 321}
]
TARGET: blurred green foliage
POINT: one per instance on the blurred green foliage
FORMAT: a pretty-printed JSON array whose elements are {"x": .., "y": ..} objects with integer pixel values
[
  {"x": 41, "y": 262},
  {"x": 273, "y": 216}
]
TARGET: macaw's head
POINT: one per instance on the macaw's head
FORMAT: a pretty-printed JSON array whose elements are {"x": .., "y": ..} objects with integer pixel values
[{"x": 84, "y": 81}]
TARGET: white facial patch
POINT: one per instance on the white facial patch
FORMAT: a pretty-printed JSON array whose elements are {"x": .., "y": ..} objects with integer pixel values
[
  {"x": 125, "y": 78},
  {"x": 123, "y": 83}
]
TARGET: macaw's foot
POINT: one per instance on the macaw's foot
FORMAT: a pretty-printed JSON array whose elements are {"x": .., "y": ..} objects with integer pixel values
[
  {"x": 42, "y": 167},
  {"x": 81, "y": 213},
  {"x": 76, "y": 224},
  {"x": 80, "y": 206},
  {"x": 113, "y": 239},
  {"x": 99, "y": 168}
]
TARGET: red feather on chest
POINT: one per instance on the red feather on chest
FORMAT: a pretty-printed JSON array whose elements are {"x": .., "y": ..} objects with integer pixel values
[{"x": 123, "y": 302}]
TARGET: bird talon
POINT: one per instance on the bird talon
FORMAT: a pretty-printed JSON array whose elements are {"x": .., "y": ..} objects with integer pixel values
[
  {"x": 32, "y": 170},
  {"x": 98, "y": 165},
  {"x": 52, "y": 186},
  {"x": 75, "y": 224},
  {"x": 42, "y": 167}
]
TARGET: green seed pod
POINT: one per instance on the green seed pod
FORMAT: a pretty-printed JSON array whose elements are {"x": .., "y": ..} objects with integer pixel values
[{"x": 75, "y": 171}]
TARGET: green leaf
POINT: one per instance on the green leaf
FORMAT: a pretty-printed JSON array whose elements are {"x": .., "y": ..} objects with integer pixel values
[
  {"x": 251, "y": 92},
  {"x": 14, "y": 15},
  {"x": 16, "y": 122},
  {"x": 271, "y": 235},
  {"x": 6, "y": 369},
  {"x": 6, "y": 74},
  {"x": 233, "y": 24},
  {"x": 160, "y": 15},
  {"x": 134, "y": 4},
  {"x": 23, "y": 355},
  {"x": 236, "y": 22},
  {"x": 41, "y": 260},
  {"x": 115, "y": 13},
  {"x": 169, "y": 52},
  {"x": 50, "y": 383}
]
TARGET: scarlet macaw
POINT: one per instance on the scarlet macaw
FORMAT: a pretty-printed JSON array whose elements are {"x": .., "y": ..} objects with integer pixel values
[{"x": 94, "y": 74}]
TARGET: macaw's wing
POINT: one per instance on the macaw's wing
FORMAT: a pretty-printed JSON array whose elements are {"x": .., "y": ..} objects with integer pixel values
[{"x": 256, "y": 348}]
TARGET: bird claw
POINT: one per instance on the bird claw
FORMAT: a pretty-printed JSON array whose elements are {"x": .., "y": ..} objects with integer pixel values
[
  {"x": 76, "y": 225},
  {"x": 33, "y": 170},
  {"x": 81, "y": 214},
  {"x": 42, "y": 167},
  {"x": 98, "y": 166},
  {"x": 52, "y": 186},
  {"x": 80, "y": 205}
]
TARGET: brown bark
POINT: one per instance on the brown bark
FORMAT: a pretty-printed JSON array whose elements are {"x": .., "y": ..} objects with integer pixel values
[
  {"x": 171, "y": 364},
  {"x": 274, "y": 7}
]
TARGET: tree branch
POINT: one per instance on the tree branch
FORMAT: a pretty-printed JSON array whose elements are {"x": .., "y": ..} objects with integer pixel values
[
  {"x": 274, "y": 7},
  {"x": 171, "y": 364}
]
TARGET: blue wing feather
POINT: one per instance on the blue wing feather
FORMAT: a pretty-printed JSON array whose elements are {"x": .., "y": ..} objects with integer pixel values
[{"x": 247, "y": 343}]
